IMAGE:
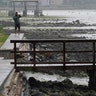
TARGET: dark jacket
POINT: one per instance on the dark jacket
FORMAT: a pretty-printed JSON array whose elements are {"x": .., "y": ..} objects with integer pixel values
[{"x": 16, "y": 19}]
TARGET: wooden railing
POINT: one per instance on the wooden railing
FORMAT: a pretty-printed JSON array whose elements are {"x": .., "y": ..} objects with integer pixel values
[{"x": 55, "y": 47}]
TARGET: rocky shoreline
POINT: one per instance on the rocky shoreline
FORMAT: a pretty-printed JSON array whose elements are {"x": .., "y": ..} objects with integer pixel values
[{"x": 64, "y": 88}]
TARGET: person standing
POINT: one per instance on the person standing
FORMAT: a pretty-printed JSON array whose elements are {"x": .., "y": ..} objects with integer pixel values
[{"x": 16, "y": 18}]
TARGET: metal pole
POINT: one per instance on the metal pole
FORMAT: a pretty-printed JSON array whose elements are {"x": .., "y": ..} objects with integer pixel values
[
  {"x": 34, "y": 53},
  {"x": 64, "y": 56},
  {"x": 15, "y": 61}
]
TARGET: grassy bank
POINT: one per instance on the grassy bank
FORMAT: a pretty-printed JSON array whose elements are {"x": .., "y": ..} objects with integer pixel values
[{"x": 3, "y": 36}]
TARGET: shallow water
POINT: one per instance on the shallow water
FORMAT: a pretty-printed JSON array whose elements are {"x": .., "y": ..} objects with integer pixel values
[{"x": 85, "y": 16}]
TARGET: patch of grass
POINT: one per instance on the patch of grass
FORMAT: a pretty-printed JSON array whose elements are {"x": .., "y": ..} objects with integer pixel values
[{"x": 3, "y": 36}]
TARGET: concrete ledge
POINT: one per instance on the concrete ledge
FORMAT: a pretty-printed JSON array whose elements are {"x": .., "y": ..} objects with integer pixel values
[{"x": 9, "y": 46}]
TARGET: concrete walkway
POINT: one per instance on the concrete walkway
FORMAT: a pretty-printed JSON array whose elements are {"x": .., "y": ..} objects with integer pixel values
[
  {"x": 7, "y": 45},
  {"x": 5, "y": 69},
  {"x": 5, "y": 64}
]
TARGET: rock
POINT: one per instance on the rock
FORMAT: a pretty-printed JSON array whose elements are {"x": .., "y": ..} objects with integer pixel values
[
  {"x": 33, "y": 82},
  {"x": 67, "y": 83},
  {"x": 74, "y": 93}
]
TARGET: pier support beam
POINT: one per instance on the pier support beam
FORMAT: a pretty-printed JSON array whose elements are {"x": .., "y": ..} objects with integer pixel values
[
  {"x": 25, "y": 9},
  {"x": 36, "y": 12},
  {"x": 12, "y": 12}
]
